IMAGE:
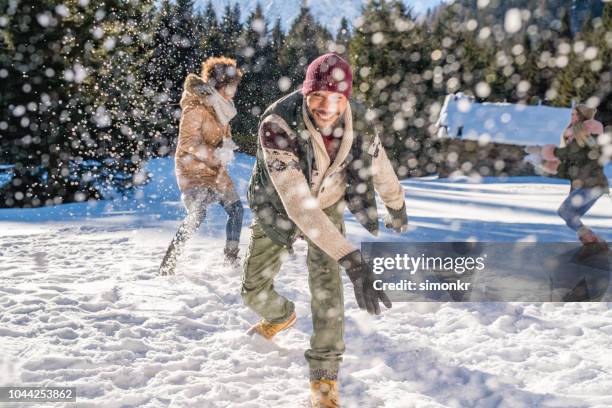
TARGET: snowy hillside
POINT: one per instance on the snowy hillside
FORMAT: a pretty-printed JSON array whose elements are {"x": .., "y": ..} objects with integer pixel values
[
  {"x": 82, "y": 306},
  {"x": 327, "y": 12}
]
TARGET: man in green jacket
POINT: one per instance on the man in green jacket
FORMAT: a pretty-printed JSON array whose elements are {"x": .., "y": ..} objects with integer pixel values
[{"x": 317, "y": 154}]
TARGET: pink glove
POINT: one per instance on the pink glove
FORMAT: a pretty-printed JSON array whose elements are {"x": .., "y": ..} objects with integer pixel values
[
  {"x": 593, "y": 127},
  {"x": 551, "y": 166},
  {"x": 548, "y": 152}
]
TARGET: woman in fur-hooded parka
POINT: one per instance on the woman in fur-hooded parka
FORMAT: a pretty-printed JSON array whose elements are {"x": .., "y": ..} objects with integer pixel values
[{"x": 203, "y": 150}]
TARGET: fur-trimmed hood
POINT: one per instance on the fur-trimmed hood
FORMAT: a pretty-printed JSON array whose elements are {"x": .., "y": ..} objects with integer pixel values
[{"x": 195, "y": 91}]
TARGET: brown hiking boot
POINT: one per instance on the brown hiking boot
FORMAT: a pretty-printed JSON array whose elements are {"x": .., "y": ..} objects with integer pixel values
[
  {"x": 587, "y": 236},
  {"x": 269, "y": 330},
  {"x": 591, "y": 241},
  {"x": 324, "y": 394}
]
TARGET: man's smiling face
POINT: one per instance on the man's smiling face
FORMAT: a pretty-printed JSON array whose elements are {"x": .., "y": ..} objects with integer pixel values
[{"x": 326, "y": 107}]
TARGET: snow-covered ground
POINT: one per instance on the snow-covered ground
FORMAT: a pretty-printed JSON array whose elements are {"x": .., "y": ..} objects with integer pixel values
[{"x": 81, "y": 305}]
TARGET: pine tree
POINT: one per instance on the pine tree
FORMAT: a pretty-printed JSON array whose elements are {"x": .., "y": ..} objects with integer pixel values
[
  {"x": 305, "y": 41},
  {"x": 466, "y": 58},
  {"x": 529, "y": 72},
  {"x": 277, "y": 43},
  {"x": 343, "y": 38},
  {"x": 77, "y": 105},
  {"x": 186, "y": 39},
  {"x": 163, "y": 48},
  {"x": 211, "y": 44},
  {"x": 561, "y": 78},
  {"x": 598, "y": 79},
  {"x": 176, "y": 52},
  {"x": 565, "y": 29},
  {"x": 231, "y": 29},
  {"x": 276, "y": 69},
  {"x": 277, "y": 35},
  {"x": 6, "y": 50},
  {"x": 256, "y": 89},
  {"x": 122, "y": 107},
  {"x": 389, "y": 56},
  {"x": 33, "y": 105},
  {"x": 162, "y": 78},
  {"x": 585, "y": 79}
]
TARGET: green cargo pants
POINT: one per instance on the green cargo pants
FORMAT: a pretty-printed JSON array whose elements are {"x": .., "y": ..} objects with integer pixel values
[{"x": 263, "y": 262}]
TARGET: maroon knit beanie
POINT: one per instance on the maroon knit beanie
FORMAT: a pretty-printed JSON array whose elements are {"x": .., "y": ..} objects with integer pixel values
[{"x": 329, "y": 72}]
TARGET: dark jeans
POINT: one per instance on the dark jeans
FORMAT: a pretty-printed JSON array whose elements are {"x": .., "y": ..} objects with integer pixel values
[
  {"x": 577, "y": 204},
  {"x": 195, "y": 201}
]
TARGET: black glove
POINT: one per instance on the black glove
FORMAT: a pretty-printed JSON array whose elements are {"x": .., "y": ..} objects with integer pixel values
[
  {"x": 397, "y": 219},
  {"x": 363, "y": 283}
]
